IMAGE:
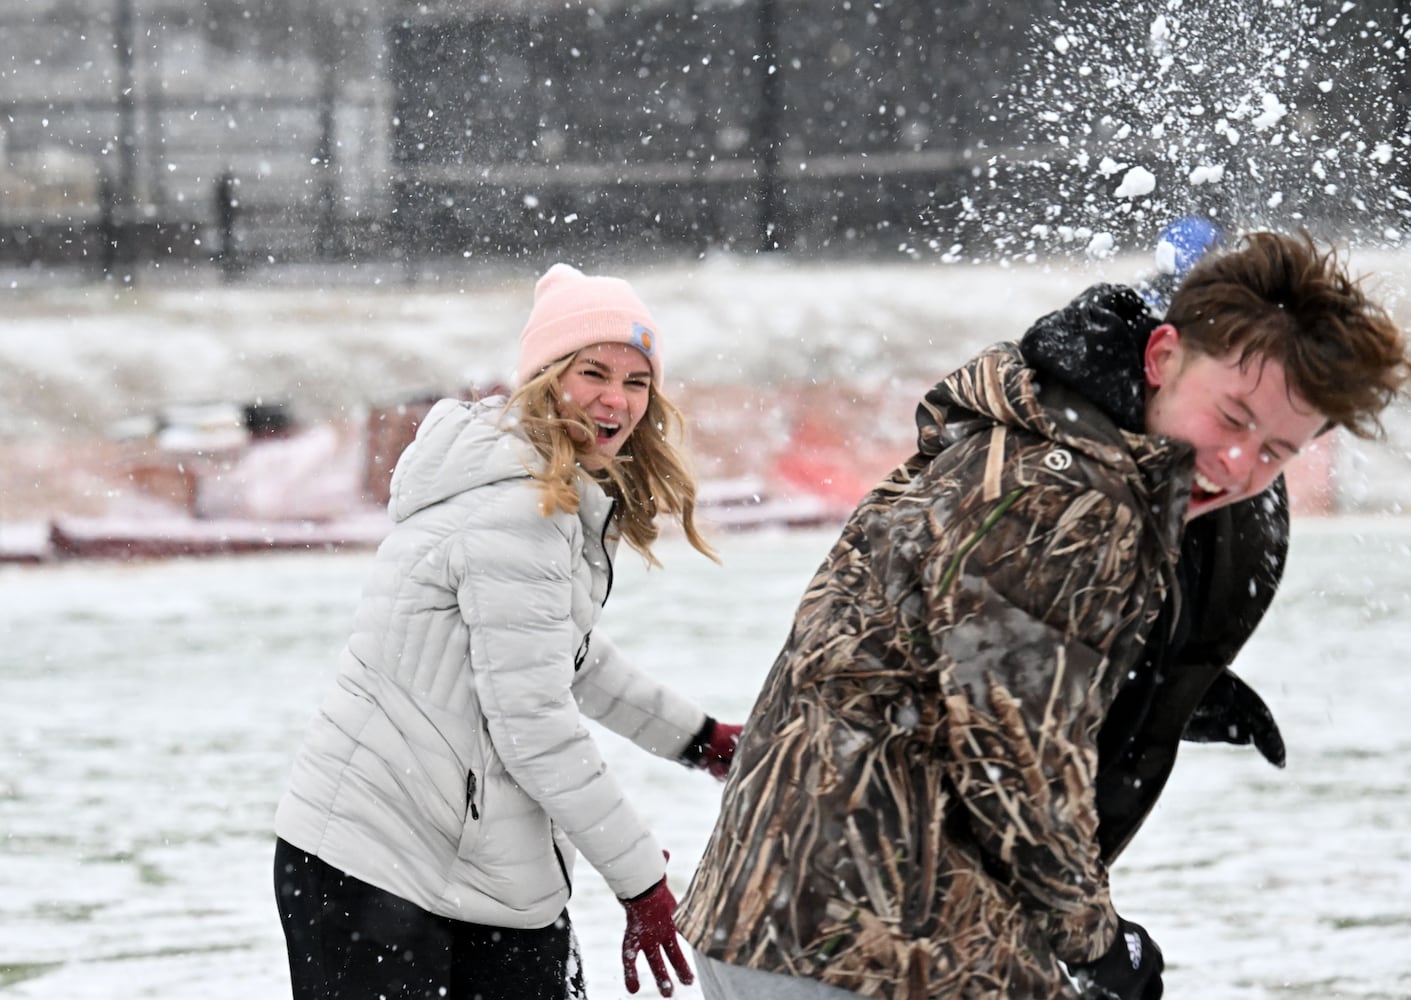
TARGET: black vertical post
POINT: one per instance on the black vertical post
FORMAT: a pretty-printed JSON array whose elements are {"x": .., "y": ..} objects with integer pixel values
[
  {"x": 324, "y": 45},
  {"x": 154, "y": 134},
  {"x": 404, "y": 241},
  {"x": 405, "y": 55},
  {"x": 694, "y": 89},
  {"x": 768, "y": 127},
  {"x": 124, "y": 222},
  {"x": 326, "y": 230},
  {"x": 108, "y": 234},
  {"x": 227, "y": 208},
  {"x": 1401, "y": 101}
]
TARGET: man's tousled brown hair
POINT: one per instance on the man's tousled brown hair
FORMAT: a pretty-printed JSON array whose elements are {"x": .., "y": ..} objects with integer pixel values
[
  {"x": 651, "y": 474},
  {"x": 1279, "y": 297}
]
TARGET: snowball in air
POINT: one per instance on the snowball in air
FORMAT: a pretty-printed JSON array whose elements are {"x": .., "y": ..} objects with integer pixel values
[
  {"x": 1212, "y": 173},
  {"x": 1166, "y": 257},
  {"x": 1138, "y": 181},
  {"x": 1273, "y": 113}
]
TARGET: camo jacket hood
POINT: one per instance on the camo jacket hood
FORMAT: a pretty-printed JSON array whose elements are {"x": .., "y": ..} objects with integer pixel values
[{"x": 910, "y": 813}]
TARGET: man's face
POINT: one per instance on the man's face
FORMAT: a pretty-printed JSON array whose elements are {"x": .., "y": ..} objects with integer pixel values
[{"x": 1243, "y": 421}]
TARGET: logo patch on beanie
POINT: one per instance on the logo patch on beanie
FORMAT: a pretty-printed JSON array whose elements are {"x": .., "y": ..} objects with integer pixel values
[{"x": 643, "y": 339}]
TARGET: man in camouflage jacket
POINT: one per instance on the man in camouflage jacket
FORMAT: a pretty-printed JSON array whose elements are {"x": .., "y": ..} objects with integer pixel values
[{"x": 984, "y": 688}]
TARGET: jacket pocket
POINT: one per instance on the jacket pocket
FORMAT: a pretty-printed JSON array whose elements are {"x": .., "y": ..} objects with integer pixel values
[
  {"x": 472, "y": 789},
  {"x": 476, "y": 814},
  {"x": 563, "y": 867}
]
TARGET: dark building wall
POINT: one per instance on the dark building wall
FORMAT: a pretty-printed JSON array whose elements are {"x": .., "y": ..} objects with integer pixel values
[
  {"x": 818, "y": 125},
  {"x": 125, "y": 114},
  {"x": 674, "y": 120}
]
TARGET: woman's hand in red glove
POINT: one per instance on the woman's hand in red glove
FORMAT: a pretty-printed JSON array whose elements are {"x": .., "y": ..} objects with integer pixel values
[
  {"x": 713, "y": 748},
  {"x": 651, "y": 932}
]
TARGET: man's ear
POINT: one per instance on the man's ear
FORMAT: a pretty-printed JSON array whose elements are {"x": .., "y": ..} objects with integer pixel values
[{"x": 1162, "y": 357}]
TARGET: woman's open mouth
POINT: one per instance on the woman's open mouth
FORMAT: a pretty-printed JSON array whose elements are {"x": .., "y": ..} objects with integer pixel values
[{"x": 1204, "y": 489}]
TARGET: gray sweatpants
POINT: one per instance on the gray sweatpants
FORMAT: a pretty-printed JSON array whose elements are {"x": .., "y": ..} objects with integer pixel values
[{"x": 733, "y": 982}]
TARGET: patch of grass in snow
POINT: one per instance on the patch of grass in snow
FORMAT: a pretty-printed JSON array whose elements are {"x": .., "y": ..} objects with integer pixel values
[
  {"x": 67, "y": 912},
  {"x": 18, "y": 972},
  {"x": 1375, "y": 920}
]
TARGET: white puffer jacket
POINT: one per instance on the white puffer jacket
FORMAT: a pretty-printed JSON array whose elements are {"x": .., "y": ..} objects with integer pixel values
[{"x": 450, "y": 765}]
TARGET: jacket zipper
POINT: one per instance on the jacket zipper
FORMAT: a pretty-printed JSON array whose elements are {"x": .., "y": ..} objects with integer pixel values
[
  {"x": 603, "y": 544},
  {"x": 582, "y": 653},
  {"x": 563, "y": 868},
  {"x": 470, "y": 784}
]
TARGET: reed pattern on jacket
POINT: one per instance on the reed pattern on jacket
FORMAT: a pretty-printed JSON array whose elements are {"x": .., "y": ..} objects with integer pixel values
[{"x": 911, "y": 813}]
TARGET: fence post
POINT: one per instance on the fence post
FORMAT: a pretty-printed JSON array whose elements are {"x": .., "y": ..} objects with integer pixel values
[
  {"x": 326, "y": 242},
  {"x": 227, "y": 208},
  {"x": 108, "y": 234},
  {"x": 769, "y": 204},
  {"x": 404, "y": 240},
  {"x": 125, "y": 222}
]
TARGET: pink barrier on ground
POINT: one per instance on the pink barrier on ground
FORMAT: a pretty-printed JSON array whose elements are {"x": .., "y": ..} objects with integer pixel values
[{"x": 807, "y": 453}]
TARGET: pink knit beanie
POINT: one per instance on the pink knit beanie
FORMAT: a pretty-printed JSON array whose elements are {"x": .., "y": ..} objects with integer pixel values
[{"x": 572, "y": 311}]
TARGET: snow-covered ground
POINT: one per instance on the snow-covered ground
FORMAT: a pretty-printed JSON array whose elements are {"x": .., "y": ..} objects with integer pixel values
[{"x": 150, "y": 710}]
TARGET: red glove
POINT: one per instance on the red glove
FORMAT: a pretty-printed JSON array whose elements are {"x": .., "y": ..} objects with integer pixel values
[
  {"x": 714, "y": 748},
  {"x": 650, "y": 931}
]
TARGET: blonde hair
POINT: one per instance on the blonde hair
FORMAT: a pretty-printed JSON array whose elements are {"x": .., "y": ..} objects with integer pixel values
[{"x": 651, "y": 474}]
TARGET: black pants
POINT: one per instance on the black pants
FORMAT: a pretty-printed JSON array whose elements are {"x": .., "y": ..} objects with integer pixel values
[{"x": 348, "y": 940}]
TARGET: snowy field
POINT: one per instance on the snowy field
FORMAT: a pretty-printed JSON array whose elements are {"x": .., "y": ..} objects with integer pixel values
[
  {"x": 758, "y": 351},
  {"x": 78, "y": 360},
  {"x": 149, "y": 713}
]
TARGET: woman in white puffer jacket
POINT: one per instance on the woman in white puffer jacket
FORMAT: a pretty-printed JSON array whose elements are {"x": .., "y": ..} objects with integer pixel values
[{"x": 427, "y": 838}]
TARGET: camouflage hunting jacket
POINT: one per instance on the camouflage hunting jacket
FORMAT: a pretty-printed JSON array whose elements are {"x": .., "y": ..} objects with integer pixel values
[{"x": 911, "y": 811}]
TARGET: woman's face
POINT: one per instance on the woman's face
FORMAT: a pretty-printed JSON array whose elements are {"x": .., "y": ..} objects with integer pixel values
[
  {"x": 611, "y": 383},
  {"x": 1244, "y": 421}
]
